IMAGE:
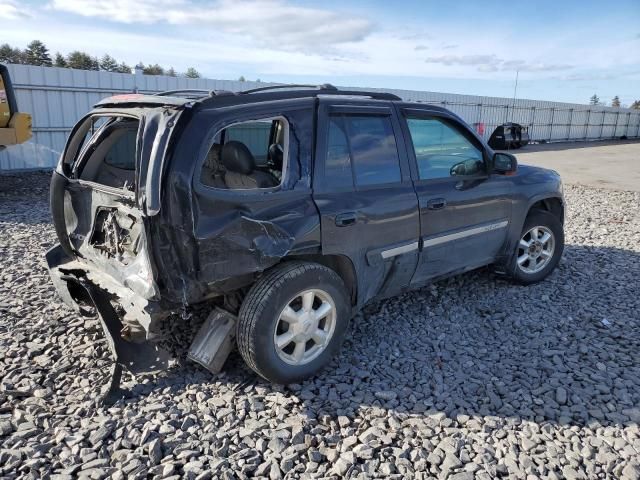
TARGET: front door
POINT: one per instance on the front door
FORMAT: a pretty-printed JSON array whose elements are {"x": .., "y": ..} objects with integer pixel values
[
  {"x": 464, "y": 211},
  {"x": 363, "y": 190}
]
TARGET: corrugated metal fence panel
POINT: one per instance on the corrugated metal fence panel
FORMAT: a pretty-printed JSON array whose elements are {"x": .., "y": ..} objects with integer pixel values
[{"x": 58, "y": 97}]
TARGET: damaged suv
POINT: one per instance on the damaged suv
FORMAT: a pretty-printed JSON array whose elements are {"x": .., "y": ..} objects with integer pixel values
[{"x": 289, "y": 208}]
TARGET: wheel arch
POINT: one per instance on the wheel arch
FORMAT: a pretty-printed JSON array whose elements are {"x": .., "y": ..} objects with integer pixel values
[
  {"x": 548, "y": 202},
  {"x": 551, "y": 204},
  {"x": 340, "y": 264}
]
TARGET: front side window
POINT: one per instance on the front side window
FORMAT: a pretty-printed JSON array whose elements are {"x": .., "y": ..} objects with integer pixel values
[
  {"x": 440, "y": 149},
  {"x": 361, "y": 148},
  {"x": 247, "y": 155}
]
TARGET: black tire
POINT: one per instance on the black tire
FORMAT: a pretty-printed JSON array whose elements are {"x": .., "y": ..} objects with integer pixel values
[
  {"x": 537, "y": 218},
  {"x": 259, "y": 317}
]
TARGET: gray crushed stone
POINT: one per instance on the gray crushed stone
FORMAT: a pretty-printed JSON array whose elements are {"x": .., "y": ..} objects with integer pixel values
[{"x": 470, "y": 378}]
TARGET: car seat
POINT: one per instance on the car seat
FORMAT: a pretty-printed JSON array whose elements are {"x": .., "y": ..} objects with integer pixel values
[{"x": 241, "y": 168}]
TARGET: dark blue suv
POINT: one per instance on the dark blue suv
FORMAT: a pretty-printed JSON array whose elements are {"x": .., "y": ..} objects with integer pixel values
[{"x": 288, "y": 208}]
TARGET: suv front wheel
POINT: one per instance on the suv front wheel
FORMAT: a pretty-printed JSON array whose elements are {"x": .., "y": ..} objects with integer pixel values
[
  {"x": 539, "y": 248},
  {"x": 292, "y": 321}
]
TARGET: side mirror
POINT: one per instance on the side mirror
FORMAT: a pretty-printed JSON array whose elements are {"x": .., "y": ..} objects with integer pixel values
[
  {"x": 466, "y": 168},
  {"x": 504, "y": 163}
]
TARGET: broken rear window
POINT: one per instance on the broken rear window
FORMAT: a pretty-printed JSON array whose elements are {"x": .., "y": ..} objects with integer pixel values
[
  {"x": 248, "y": 155},
  {"x": 108, "y": 152}
]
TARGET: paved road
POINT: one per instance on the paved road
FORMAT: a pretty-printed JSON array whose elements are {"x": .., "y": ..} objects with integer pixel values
[{"x": 614, "y": 165}]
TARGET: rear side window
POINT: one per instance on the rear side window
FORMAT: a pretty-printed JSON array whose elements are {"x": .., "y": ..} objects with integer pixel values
[
  {"x": 338, "y": 160},
  {"x": 248, "y": 155},
  {"x": 361, "y": 148},
  {"x": 255, "y": 135}
]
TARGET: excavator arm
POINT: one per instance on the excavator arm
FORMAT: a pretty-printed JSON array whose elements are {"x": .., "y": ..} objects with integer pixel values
[{"x": 15, "y": 127}]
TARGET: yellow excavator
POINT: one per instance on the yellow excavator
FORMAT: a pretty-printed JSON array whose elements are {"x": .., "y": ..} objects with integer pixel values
[{"x": 15, "y": 127}]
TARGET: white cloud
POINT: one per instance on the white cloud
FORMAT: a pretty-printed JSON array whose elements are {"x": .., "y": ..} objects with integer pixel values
[
  {"x": 10, "y": 10},
  {"x": 267, "y": 22},
  {"x": 492, "y": 63}
]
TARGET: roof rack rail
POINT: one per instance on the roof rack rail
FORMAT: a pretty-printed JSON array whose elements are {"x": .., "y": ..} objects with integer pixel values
[
  {"x": 193, "y": 93},
  {"x": 324, "y": 86},
  {"x": 185, "y": 92}
]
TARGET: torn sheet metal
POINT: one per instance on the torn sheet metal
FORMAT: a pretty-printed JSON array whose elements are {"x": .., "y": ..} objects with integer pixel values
[
  {"x": 214, "y": 341},
  {"x": 145, "y": 357}
]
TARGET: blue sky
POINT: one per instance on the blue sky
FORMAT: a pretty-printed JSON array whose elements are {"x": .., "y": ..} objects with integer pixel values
[{"x": 564, "y": 50}]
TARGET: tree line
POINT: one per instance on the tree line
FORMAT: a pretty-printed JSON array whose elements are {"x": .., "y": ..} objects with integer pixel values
[
  {"x": 615, "y": 102},
  {"x": 38, "y": 54}
]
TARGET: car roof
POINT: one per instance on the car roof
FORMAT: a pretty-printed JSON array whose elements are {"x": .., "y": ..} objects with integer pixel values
[
  {"x": 216, "y": 98},
  {"x": 221, "y": 98}
]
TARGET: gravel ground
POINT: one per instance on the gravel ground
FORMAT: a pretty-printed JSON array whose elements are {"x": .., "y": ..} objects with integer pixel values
[{"x": 469, "y": 378}]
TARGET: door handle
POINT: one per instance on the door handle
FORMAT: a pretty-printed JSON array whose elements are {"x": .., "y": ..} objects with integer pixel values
[
  {"x": 346, "y": 219},
  {"x": 436, "y": 203}
]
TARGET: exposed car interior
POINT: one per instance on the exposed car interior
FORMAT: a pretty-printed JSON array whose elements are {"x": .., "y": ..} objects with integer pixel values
[
  {"x": 109, "y": 156},
  {"x": 247, "y": 155}
]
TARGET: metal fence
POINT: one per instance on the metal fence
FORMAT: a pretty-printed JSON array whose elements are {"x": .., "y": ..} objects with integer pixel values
[{"x": 58, "y": 97}]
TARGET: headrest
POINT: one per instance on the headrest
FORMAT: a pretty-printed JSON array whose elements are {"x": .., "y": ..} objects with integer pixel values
[
  {"x": 236, "y": 157},
  {"x": 276, "y": 155}
]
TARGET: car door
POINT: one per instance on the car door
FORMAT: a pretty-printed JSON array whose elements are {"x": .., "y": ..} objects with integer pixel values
[
  {"x": 364, "y": 193},
  {"x": 464, "y": 210}
]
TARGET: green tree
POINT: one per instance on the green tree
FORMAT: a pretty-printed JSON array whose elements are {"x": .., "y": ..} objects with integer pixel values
[
  {"x": 192, "y": 73},
  {"x": 82, "y": 61},
  {"x": 108, "y": 63},
  {"x": 594, "y": 100},
  {"x": 242, "y": 79},
  {"x": 153, "y": 70},
  {"x": 635, "y": 105},
  {"x": 123, "y": 68},
  {"x": 615, "y": 102},
  {"x": 8, "y": 54},
  {"x": 59, "y": 61},
  {"x": 37, "y": 54},
  {"x": 171, "y": 72}
]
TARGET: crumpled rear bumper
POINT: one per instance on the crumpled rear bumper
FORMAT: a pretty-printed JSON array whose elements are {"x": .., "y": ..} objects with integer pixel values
[{"x": 132, "y": 332}]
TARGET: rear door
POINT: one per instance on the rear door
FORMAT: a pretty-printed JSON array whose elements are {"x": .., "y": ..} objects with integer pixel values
[
  {"x": 363, "y": 190},
  {"x": 464, "y": 211}
]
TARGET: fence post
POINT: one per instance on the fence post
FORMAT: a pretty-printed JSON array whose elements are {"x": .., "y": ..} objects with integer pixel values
[
  {"x": 569, "y": 123},
  {"x": 638, "y": 129},
  {"x": 626, "y": 129},
  {"x": 553, "y": 115},
  {"x": 586, "y": 125},
  {"x": 615, "y": 129},
  {"x": 532, "y": 122},
  {"x": 604, "y": 115},
  {"x": 479, "y": 120},
  {"x": 139, "y": 79}
]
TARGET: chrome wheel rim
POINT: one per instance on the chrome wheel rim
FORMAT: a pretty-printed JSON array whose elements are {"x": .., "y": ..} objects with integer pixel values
[
  {"x": 535, "y": 249},
  {"x": 305, "y": 327}
]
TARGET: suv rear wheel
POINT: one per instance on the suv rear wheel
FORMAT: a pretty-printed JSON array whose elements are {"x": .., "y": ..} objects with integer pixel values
[
  {"x": 293, "y": 321},
  {"x": 539, "y": 249}
]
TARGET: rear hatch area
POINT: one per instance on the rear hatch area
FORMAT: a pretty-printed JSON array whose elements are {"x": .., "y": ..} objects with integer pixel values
[{"x": 102, "y": 262}]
